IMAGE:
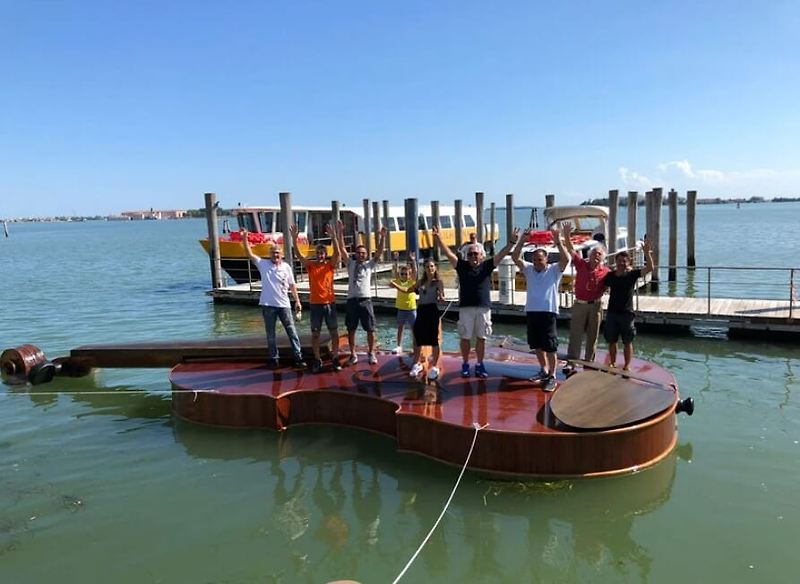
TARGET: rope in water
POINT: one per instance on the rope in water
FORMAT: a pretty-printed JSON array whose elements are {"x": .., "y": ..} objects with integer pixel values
[{"x": 446, "y": 505}]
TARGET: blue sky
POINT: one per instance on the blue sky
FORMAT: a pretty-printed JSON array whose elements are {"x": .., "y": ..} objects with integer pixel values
[{"x": 111, "y": 106}]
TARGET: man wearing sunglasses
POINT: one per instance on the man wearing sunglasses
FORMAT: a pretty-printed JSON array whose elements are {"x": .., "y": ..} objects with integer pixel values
[
  {"x": 474, "y": 300},
  {"x": 277, "y": 282}
]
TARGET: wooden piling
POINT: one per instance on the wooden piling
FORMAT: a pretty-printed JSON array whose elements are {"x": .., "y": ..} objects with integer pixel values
[
  {"x": 492, "y": 222},
  {"x": 633, "y": 209},
  {"x": 549, "y": 201},
  {"x": 479, "y": 216},
  {"x": 388, "y": 252},
  {"x": 613, "y": 211},
  {"x": 5, "y": 228},
  {"x": 287, "y": 218},
  {"x": 672, "y": 274},
  {"x": 509, "y": 215},
  {"x": 412, "y": 226},
  {"x": 367, "y": 227},
  {"x": 336, "y": 211},
  {"x": 691, "y": 207},
  {"x": 435, "y": 218},
  {"x": 376, "y": 223},
  {"x": 213, "y": 240},
  {"x": 648, "y": 215},
  {"x": 658, "y": 204},
  {"x": 459, "y": 223}
]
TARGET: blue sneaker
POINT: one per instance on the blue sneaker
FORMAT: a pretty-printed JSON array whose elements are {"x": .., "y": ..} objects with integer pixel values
[
  {"x": 465, "y": 370},
  {"x": 480, "y": 371}
]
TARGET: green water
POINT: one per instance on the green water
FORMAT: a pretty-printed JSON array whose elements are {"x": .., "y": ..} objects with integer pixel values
[{"x": 105, "y": 486}]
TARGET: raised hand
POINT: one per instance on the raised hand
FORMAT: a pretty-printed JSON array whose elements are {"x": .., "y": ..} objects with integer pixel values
[
  {"x": 328, "y": 230},
  {"x": 646, "y": 246},
  {"x": 383, "y": 232},
  {"x": 339, "y": 227},
  {"x": 435, "y": 230},
  {"x": 294, "y": 231},
  {"x": 515, "y": 235},
  {"x": 566, "y": 229}
]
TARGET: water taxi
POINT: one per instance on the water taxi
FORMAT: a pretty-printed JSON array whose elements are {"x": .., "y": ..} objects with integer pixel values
[{"x": 265, "y": 229}]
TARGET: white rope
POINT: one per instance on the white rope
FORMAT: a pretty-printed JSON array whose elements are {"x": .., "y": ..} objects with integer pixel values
[
  {"x": 446, "y": 505},
  {"x": 449, "y": 304}
]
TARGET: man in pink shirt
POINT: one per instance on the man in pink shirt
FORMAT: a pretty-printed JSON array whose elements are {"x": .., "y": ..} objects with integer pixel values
[{"x": 587, "y": 312}]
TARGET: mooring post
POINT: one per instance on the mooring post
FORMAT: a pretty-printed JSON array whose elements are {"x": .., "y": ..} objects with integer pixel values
[
  {"x": 492, "y": 222},
  {"x": 287, "y": 217},
  {"x": 367, "y": 226},
  {"x": 376, "y": 223},
  {"x": 691, "y": 207},
  {"x": 658, "y": 204},
  {"x": 648, "y": 216},
  {"x": 388, "y": 246},
  {"x": 633, "y": 209},
  {"x": 672, "y": 274},
  {"x": 509, "y": 216},
  {"x": 613, "y": 210},
  {"x": 213, "y": 240},
  {"x": 459, "y": 223},
  {"x": 479, "y": 216},
  {"x": 412, "y": 226},
  {"x": 549, "y": 201},
  {"x": 336, "y": 211},
  {"x": 436, "y": 221}
]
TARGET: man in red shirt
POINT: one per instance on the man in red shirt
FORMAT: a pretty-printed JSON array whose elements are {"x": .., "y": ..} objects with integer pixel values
[
  {"x": 320, "y": 271},
  {"x": 587, "y": 312}
]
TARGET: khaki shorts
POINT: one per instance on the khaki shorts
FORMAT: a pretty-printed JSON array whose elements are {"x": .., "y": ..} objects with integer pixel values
[{"x": 474, "y": 321}]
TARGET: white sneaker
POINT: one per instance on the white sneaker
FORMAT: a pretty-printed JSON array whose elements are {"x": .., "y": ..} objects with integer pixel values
[
  {"x": 433, "y": 373},
  {"x": 353, "y": 359},
  {"x": 373, "y": 360},
  {"x": 398, "y": 350},
  {"x": 416, "y": 370}
]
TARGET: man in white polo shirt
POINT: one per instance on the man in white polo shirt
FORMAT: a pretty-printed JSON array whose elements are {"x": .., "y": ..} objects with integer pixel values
[
  {"x": 277, "y": 282},
  {"x": 541, "y": 305}
]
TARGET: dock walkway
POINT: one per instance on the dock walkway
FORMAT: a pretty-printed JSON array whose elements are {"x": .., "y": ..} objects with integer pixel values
[{"x": 738, "y": 316}]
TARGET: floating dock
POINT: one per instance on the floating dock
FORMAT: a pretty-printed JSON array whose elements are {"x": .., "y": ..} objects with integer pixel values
[{"x": 740, "y": 317}]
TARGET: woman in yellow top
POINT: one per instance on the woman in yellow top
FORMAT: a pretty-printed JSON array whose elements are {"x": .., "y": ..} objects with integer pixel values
[{"x": 406, "y": 303}]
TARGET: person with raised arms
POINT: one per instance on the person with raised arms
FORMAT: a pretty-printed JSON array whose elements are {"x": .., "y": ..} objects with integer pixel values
[
  {"x": 277, "y": 282},
  {"x": 322, "y": 300},
  {"x": 359, "y": 296},
  {"x": 620, "y": 316},
  {"x": 541, "y": 304},
  {"x": 474, "y": 299}
]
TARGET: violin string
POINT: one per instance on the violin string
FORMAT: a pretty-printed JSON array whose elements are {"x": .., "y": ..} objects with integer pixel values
[{"x": 446, "y": 505}]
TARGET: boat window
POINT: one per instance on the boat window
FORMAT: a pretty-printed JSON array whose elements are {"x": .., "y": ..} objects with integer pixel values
[
  {"x": 469, "y": 221},
  {"x": 299, "y": 220},
  {"x": 265, "y": 218},
  {"x": 421, "y": 223},
  {"x": 246, "y": 221},
  {"x": 401, "y": 223},
  {"x": 388, "y": 223},
  {"x": 429, "y": 219},
  {"x": 445, "y": 222}
]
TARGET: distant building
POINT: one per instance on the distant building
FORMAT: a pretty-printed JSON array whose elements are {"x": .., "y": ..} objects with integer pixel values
[{"x": 155, "y": 214}]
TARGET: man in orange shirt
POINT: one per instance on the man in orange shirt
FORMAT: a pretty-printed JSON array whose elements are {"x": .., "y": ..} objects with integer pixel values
[{"x": 323, "y": 302}]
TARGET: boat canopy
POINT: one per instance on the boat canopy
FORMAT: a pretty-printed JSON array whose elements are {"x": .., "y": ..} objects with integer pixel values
[{"x": 560, "y": 213}]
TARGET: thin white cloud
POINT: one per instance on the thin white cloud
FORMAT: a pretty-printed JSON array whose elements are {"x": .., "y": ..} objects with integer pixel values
[{"x": 681, "y": 174}]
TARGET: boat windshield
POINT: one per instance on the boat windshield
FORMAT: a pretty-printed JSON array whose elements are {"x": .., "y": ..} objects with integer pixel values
[
  {"x": 246, "y": 221},
  {"x": 591, "y": 224},
  {"x": 265, "y": 218},
  {"x": 299, "y": 220}
]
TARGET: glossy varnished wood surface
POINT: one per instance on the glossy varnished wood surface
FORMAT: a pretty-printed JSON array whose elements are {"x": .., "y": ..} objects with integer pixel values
[
  {"x": 522, "y": 436},
  {"x": 594, "y": 400}
]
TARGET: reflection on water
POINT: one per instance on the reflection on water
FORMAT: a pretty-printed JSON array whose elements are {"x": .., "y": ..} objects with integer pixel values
[{"x": 336, "y": 509}]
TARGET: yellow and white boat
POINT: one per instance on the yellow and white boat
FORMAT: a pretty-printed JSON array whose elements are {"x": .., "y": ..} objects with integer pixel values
[{"x": 264, "y": 225}]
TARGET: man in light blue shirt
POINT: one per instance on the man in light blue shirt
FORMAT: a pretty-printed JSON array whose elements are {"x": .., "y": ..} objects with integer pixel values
[{"x": 541, "y": 305}]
